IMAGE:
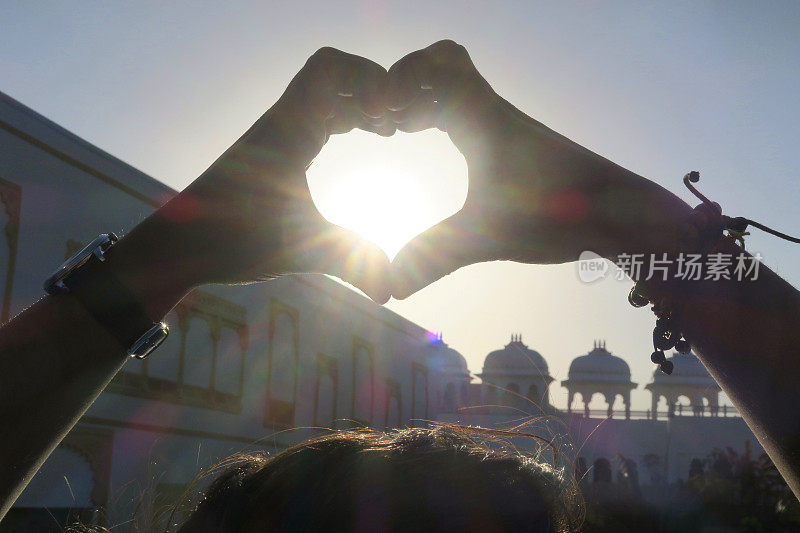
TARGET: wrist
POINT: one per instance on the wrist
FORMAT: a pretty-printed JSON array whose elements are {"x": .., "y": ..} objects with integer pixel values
[
  {"x": 638, "y": 216},
  {"x": 602, "y": 206},
  {"x": 149, "y": 263}
]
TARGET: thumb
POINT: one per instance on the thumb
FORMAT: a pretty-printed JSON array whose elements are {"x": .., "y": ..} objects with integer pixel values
[
  {"x": 347, "y": 255},
  {"x": 438, "y": 251}
]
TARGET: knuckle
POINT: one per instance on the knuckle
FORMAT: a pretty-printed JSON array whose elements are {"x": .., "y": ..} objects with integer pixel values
[
  {"x": 450, "y": 49},
  {"x": 322, "y": 57},
  {"x": 326, "y": 51}
]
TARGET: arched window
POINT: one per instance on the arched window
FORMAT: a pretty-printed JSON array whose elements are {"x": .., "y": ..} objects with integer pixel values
[
  {"x": 283, "y": 360},
  {"x": 533, "y": 394},
  {"x": 511, "y": 395},
  {"x": 229, "y": 365},
  {"x": 628, "y": 473},
  {"x": 654, "y": 468},
  {"x": 683, "y": 405},
  {"x": 419, "y": 394},
  {"x": 362, "y": 382},
  {"x": 201, "y": 363},
  {"x": 199, "y": 354},
  {"x": 450, "y": 398},
  {"x": 602, "y": 471},
  {"x": 326, "y": 391},
  {"x": 394, "y": 414}
]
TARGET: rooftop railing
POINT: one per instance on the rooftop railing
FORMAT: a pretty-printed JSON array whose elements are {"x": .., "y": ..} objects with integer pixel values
[{"x": 723, "y": 411}]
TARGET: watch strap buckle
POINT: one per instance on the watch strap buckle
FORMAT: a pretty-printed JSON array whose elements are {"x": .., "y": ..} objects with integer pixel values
[
  {"x": 97, "y": 248},
  {"x": 148, "y": 342}
]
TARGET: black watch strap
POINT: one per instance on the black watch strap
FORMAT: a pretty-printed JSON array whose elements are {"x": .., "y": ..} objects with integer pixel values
[
  {"x": 86, "y": 276},
  {"x": 112, "y": 304}
]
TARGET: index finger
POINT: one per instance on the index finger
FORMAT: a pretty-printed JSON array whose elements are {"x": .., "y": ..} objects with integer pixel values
[
  {"x": 437, "y": 68},
  {"x": 315, "y": 94},
  {"x": 437, "y": 86}
]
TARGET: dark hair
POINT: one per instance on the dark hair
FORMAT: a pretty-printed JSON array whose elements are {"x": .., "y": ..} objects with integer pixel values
[{"x": 448, "y": 478}]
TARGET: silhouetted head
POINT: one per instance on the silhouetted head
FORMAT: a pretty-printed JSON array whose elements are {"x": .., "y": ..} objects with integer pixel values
[{"x": 440, "y": 479}]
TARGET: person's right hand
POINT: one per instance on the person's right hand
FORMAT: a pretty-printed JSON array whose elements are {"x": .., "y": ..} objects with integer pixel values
[
  {"x": 533, "y": 197},
  {"x": 251, "y": 216}
]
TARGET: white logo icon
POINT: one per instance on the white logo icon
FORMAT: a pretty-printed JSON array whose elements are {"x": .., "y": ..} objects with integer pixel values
[{"x": 591, "y": 267}]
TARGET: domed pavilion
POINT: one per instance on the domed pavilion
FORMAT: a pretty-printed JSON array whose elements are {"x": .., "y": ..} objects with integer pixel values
[
  {"x": 689, "y": 378},
  {"x": 516, "y": 376},
  {"x": 455, "y": 375},
  {"x": 599, "y": 371}
]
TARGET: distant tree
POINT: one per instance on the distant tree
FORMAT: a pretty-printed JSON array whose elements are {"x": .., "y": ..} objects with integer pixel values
[
  {"x": 628, "y": 476},
  {"x": 696, "y": 468},
  {"x": 748, "y": 489},
  {"x": 726, "y": 491}
]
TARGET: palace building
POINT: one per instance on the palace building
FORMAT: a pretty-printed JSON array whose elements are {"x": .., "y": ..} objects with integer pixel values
[{"x": 262, "y": 367}]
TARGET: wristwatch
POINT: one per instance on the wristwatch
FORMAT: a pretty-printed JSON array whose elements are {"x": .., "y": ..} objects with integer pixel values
[{"x": 85, "y": 276}]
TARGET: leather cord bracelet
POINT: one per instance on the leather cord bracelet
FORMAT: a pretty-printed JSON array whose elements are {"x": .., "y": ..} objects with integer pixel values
[{"x": 706, "y": 232}]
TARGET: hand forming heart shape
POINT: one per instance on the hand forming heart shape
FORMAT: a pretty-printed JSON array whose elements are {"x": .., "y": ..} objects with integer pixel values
[
  {"x": 527, "y": 201},
  {"x": 533, "y": 195}
]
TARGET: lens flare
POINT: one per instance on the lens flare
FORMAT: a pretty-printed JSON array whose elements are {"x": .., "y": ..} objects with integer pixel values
[{"x": 388, "y": 189}]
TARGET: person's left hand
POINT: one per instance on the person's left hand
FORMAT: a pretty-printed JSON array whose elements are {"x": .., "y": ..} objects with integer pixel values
[{"x": 534, "y": 196}]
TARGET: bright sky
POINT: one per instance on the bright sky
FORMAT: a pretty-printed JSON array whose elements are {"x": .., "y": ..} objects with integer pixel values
[{"x": 659, "y": 88}]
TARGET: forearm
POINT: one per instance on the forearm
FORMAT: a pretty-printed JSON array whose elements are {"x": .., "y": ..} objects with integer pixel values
[
  {"x": 249, "y": 217},
  {"x": 54, "y": 361},
  {"x": 55, "y": 358},
  {"x": 747, "y": 334},
  {"x": 597, "y": 204},
  {"x": 627, "y": 213}
]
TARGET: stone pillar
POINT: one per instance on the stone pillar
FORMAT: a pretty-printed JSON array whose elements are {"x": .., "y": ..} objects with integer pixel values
[
  {"x": 713, "y": 403},
  {"x": 586, "y": 404},
  {"x": 697, "y": 405},
  {"x": 654, "y": 404},
  {"x": 626, "y": 399},
  {"x": 610, "y": 402}
]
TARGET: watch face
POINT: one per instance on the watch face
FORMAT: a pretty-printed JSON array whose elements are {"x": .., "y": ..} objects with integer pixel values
[{"x": 149, "y": 341}]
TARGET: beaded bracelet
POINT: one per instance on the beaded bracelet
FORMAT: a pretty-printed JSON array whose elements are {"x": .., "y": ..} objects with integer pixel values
[{"x": 711, "y": 227}]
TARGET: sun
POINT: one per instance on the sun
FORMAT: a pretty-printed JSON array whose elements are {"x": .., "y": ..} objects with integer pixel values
[{"x": 388, "y": 189}]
